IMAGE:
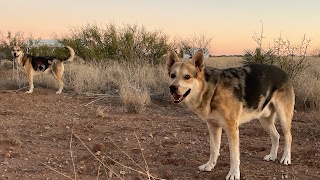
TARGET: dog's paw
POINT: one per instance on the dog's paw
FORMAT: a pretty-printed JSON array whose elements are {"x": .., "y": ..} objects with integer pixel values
[
  {"x": 233, "y": 175},
  {"x": 58, "y": 92},
  {"x": 286, "y": 159},
  {"x": 29, "y": 92},
  {"x": 270, "y": 157},
  {"x": 207, "y": 167}
]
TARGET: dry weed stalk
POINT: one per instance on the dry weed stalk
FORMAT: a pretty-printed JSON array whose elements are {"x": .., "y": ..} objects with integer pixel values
[
  {"x": 71, "y": 152},
  {"x": 51, "y": 168},
  {"x": 144, "y": 159},
  {"x": 122, "y": 165}
]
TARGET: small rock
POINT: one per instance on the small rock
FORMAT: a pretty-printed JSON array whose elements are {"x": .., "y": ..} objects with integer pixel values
[
  {"x": 7, "y": 155},
  {"x": 99, "y": 147},
  {"x": 11, "y": 148},
  {"x": 150, "y": 134},
  {"x": 5, "y": 162}
]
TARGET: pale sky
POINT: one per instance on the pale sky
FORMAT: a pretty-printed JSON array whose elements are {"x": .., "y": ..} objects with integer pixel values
[{"x": 231, "y": 23}]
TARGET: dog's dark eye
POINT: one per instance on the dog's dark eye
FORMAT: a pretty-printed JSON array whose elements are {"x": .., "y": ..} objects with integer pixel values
[
  {"x": 187, "y": 77},
  {"x": 172, "y": 75}
]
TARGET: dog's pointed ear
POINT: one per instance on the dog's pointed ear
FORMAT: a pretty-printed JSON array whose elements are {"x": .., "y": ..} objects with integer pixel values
[
  {"x": 172, "y": 57},
  {"x": 197, "y": 60}
]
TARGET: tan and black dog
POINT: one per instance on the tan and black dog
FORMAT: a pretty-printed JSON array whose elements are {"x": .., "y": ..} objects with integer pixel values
[
  {"x": 226, "y": 98},
  {"x": 34, "y": 65}
]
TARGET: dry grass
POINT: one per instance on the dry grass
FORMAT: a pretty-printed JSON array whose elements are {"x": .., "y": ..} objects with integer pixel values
[
  {"x": 134, "y": 84},
  {"x": 137, "y": 84},
  {"x": 223, "y": 62},
  {"x": 307, "y": 88}
]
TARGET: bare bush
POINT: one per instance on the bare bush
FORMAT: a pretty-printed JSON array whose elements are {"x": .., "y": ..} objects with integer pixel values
[
  {"x": 8, "y": 41},
  {"x": 293, "y": 58},
  {"x": 194, "y": 41}
]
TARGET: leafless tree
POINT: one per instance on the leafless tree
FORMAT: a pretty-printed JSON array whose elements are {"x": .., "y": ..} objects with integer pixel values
[{"x": 187, "y": 44}]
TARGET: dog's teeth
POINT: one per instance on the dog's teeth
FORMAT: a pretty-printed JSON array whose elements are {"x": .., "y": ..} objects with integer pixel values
[{"x": 177, "y": 97}]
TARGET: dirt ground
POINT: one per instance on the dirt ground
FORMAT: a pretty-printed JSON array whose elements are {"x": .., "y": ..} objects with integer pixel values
[{"x": 168, "y": 140}]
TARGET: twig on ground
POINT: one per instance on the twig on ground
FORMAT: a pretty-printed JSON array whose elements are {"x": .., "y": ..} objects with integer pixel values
[
  {"x": 98, "y": 171},
  {"x": 108, "y": 174},
  {"x": 76, "y": 136},
  {"x": 71, "y": 153},
  {"x": 20, "y": 89},
  {"x": 49, "y": 167},
  {"x": 146, "y": 164},
  {"x": 125, "y": 153},
  {"x": 94, "y": 101},
  {"x": 106, "y": 95},
  {"x": 130, "y": 168}
]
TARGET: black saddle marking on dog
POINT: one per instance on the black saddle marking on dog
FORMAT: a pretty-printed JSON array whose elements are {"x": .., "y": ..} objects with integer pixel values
[
  {"x": 41, "y": 63},
  {"x": 261, "y": 81}
]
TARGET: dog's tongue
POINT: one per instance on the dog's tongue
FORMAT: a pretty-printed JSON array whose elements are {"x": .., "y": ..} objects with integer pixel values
[{"x": 176, "y": 97}]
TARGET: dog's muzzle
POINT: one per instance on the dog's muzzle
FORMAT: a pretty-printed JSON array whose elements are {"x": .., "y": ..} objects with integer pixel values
[
  {"x": 178, "y": 97},
  {"x": 15, "y": 55}
]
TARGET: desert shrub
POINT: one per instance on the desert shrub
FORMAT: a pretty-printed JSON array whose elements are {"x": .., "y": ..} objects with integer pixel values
[
  {"x": 133, "y": 97},
  {"x": 292, "y": 58},
  {"x": 130, "y": 43},
  {"x": 9, "y": 40},
  {"x": 185, "y": 45},
  {"x": 259, "y": 56},
  {"x": 31, "y": 45}
]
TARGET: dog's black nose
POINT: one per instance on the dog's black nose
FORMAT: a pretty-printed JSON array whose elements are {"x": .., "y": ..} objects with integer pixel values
[{"x": 173, "y": 89}]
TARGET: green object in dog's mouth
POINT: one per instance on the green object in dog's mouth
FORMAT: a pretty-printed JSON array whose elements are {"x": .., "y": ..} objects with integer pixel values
[{"x": 179, "y": 98}]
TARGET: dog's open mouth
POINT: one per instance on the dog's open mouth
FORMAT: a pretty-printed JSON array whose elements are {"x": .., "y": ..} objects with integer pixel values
[
  {"x": 179, "y": 98},
  {"x": 16, "y": 56}
]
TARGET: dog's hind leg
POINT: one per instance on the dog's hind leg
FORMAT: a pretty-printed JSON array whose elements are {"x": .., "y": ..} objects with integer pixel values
[
  {"x": 234, "y": 147},
  {"x": 285, "y": 108},
  {"x": 30, "y": 80},
  {"x": 268, "y": 124},
  {"x": 215, "y": 141},
  {"x": 285, "y": 120},
  {"x": 57, "y": 72},
  {"x": 59, "y": 77}
]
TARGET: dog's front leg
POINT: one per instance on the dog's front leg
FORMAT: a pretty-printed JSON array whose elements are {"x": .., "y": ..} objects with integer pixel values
[
  {"x": 215, "y": 141},
  {"x": 30, "y": 79},
  {"x": 233, "y": 138}
]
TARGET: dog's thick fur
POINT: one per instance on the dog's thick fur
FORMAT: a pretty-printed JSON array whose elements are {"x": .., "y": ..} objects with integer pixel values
[
  {"x": 33, "y": 65},
  {"x": 226, "y": 98}
]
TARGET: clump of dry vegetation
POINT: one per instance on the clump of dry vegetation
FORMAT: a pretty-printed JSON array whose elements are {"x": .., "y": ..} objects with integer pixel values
[
  {"x": 308, "y": 88},
  {"x": 134, "y": 84}
]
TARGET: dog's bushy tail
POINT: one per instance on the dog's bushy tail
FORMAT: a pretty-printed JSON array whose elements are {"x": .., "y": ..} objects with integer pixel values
[{"x": 72, "y": 54}]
